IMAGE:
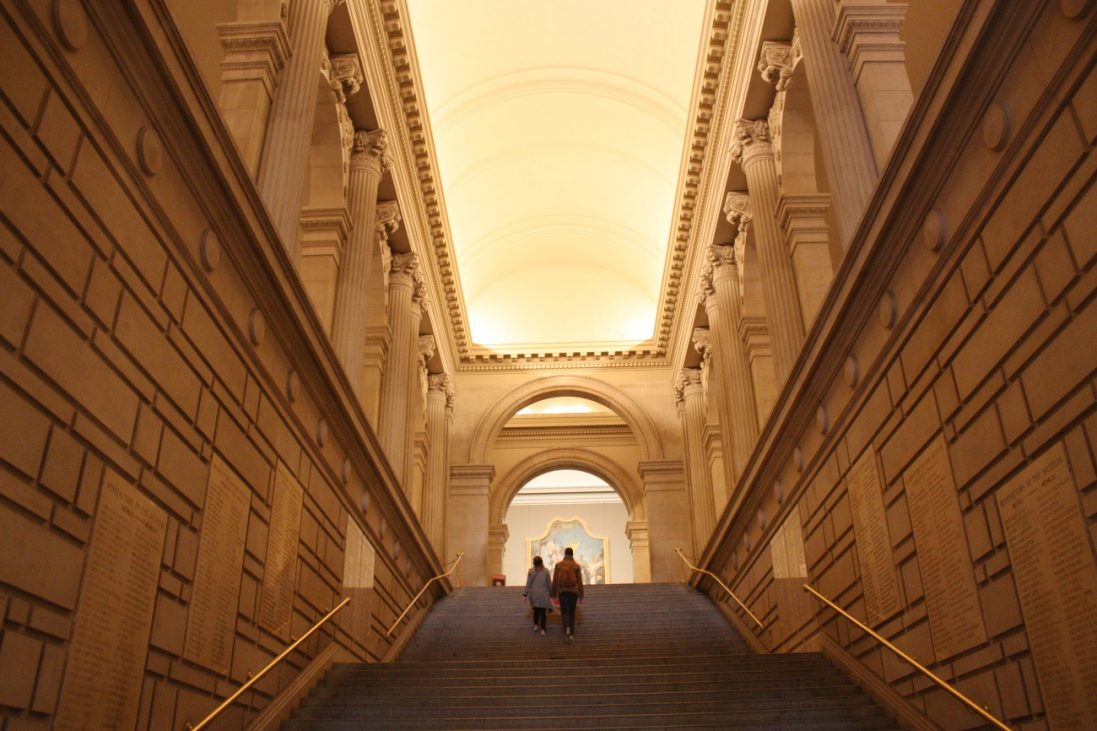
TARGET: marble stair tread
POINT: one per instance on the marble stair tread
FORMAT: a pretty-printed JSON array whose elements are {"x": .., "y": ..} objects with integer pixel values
[{"x": 644, "y": 656}]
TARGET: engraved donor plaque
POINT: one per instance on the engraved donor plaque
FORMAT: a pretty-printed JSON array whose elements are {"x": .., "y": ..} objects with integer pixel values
[
  {"x": 211, "y": 620},
  {"x": 952, "y": 602},
  {"x": 870, "y": 527},
  {"x": 110, "y": 638},
  {"x": 789, "y": 573},
  {"x": 280, "y": 569},
  {"x": 358, "y": 566},
  {"x": 787, "y": 550},
  {"x": 1056, "y": 579}
]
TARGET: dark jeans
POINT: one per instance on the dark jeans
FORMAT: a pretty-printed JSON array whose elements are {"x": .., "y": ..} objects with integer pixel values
[
  {"x": 568, "y": 601},
  {"x": 540, "y": 616}
]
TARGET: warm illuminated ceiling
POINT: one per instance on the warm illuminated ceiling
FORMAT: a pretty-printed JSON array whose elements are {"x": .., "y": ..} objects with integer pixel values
[{"x": 558, "y": 129}]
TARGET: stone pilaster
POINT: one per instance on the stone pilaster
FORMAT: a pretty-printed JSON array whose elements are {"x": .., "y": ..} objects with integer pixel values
[
  {"x": 690, "y": 397},
  {"x": 440, "y": 394},
  {"x": 843, "y": 139},
  {"x": 498, "y": 533},
  {"x": 293, "y": 111},
  {"x": 754, "y": 334},
  {"x": 702, "y": 343},
  {"x": 367, "y": 164},
  {"x": 255, "y": 53},
  {"x": 405, "y": 297},
  {"x": 417, "y": 386},
  {"x": 867, "y": 33},
  {"x": 803, "y": 220},
  {"x": 324, "y": 235},
  {"x": 668, "y": 501},
  {"x": 753, "y": 151},
  {"x": 467, "y": 520},
  {"x": 639, "y": 539}
]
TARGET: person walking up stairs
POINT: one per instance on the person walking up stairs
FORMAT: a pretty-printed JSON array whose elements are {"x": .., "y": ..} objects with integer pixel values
[{"x": 651, "y": 656}]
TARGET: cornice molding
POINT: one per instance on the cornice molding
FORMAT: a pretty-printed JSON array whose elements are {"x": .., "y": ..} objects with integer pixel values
[{"x": 699, "y": 168}]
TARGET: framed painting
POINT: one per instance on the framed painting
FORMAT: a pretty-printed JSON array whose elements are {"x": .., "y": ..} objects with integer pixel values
[{"x": 591, "y": 551}]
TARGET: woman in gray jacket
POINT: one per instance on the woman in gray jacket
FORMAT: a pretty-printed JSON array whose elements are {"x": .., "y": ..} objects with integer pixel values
[{"x": 539, "y": 592}]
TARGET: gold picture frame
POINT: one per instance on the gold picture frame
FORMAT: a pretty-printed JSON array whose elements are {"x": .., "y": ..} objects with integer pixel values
[{"x": 591, "y": 551}]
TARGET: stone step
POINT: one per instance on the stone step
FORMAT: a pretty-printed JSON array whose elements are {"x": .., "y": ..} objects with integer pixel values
[
  {"x": 657, "y": 691},
  {"x": 644, "y": 657},
  {"x": 554, "y": 715}
]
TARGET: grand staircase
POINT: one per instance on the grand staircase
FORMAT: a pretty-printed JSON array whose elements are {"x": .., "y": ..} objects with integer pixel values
[{"x": 644, "y": 656}]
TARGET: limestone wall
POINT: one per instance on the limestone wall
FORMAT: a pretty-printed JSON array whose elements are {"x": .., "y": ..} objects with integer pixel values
[
  {"x": 182, "y": 468},
  {"x": 933, "y": 456}
]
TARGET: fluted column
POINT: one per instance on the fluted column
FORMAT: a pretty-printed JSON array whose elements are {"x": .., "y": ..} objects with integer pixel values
[
  {"x": 843, "y": 138},
  {"x": 405, "y": 295},
  {"x": 752, "y": 150},
  {"x": 367, "y": 164},
  {"x": 378, "y": 337},
  {"x": 690, "y": 397},
  {"x": 439, "y": 415},
  {"x": 289, "y": 131},
  {"x": 867, "y": 33},
  {"x": 711, "y": 439},
  {"x": 740, "y": 429}
]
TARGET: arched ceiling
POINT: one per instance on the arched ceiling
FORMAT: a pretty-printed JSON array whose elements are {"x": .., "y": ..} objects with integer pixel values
[{"x": 558, "y": 129}]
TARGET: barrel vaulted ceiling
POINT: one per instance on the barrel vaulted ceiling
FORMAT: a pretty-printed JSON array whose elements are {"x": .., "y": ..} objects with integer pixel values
[{"x": 559, "y": 131}]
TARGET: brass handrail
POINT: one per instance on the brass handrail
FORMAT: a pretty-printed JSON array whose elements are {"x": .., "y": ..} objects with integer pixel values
[
  {"x": 928, "y": 673},
  {"x": 255, "y": 678},
  {"x": 429, "y": 582},
  {"x": 720, "y": 582}
]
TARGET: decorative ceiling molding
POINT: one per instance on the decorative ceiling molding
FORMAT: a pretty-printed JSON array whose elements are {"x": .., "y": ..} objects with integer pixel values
[
  {"x": 388, "y": 23},
  {"x": 700, "y": 164}
]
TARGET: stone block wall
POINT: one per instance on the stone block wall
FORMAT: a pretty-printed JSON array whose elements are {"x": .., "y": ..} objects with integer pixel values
[
  {"x": 157, "y": 356},
  {"x": 935, "y": 454}
]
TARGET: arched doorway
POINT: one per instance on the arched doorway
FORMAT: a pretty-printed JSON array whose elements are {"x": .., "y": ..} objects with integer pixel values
[{"x": 569, "y": 507}]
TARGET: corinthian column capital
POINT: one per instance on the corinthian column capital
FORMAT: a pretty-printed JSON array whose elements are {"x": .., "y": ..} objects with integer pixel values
[
  {"x": 685, "y": 382},
  {"x": 388, "y": 219},
  {"x": 702, "y": 341},
  {"x": 346, "y": 74},
  {"x": 441, "y": 384},
  {"x": 777, "y": 62},
  {"x": 737, "y": 210},
  {"x": 722, "y": 258},
  {"x": 370, "y": 150},
  {"x": 751, "y": 141},
  {"x": 427, "y": 346}
]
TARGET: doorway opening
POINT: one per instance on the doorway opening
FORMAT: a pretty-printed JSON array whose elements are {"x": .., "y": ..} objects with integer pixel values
[{"x": 569, "y": 508}]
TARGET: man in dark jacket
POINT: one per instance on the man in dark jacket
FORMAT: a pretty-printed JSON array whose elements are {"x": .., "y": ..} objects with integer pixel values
[{"x": 567, "y": 586}]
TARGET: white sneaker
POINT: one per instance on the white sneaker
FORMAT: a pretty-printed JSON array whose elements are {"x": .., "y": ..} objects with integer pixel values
[
  {"x": 536, "y": 628},
  {"x": 542, "y": 633}
]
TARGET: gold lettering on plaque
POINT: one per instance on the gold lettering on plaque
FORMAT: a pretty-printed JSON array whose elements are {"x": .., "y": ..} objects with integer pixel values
[
  {"x": 110, "y": 639},
  {"x": 280, "y": 569},
  {"x": 1056, "y": 579},
  {"x": 948, "y": 577},
  {"x": 211, "y": 620},
  {"x": 870, "y": 527},
  {"x": 358, "y": 565}
]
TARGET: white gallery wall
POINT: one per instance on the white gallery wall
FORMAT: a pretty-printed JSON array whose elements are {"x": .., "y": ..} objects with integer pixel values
[{"x": 602, "y": 519}]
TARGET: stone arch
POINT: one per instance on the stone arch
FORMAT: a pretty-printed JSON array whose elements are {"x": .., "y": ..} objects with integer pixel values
[
  {"x": 503, "y": 491},
  {"x": 492, "y": 423}
]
